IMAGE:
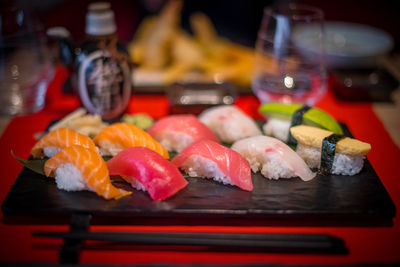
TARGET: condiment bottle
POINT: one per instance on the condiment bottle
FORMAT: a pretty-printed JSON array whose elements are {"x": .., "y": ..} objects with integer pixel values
[{"x": 104, "y": 82}]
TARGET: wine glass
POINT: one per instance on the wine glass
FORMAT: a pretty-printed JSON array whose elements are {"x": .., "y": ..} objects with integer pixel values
[{"x": 287, "y": 68}]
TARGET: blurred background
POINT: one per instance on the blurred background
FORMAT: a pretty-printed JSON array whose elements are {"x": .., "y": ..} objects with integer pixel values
[{"x": 237, "y": 20}]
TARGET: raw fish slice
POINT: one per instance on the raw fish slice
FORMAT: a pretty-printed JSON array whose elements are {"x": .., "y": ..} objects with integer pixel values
[
  {"x": 229, "y": 123},
  {"x": 119, "y": 136},
  {"x": 58, "y": 139},
  {"x": 209, "y": 159},
  {"x": 77, "y": 168},
  {"x": 145, "y": 169},
  {"x": 274, "y": 158},
  {"x": 176, "y": 132}
]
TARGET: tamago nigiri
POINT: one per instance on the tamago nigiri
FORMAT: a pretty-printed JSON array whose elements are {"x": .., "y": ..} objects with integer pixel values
[
  {"x": 58, "y": 139},
  {"x": 76, "y": 168},
  {"x": 119, "y": 136},
  {"x": 175, "y": 132},
  {"x": 146, "y": 170},
  {"x": 329, "y": 152},
  {"x": 209, "y": 159}
]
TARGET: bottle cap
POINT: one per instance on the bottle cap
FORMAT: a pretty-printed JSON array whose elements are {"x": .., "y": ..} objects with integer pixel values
[
  {"x": 99, "y": 6},
  {"x": 100, "y": 19}
]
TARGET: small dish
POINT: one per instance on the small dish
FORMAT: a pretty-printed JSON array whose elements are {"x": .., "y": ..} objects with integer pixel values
[{"x": 346, "y": 44}]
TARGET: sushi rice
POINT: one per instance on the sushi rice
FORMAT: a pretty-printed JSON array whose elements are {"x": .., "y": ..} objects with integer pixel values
[
  {"x": 109, "y": 148},
  {"x": 342, "y": 164},
  {"x": 134, "y": 183},
  {"x": 269, "y": 166},
  {"x": 277, "y": 128},
  {"x": 175, "y": 141},
  {"x": 50, "y": 151},
  {"x": 69, "y": 178},
  {"x": 196, "y": 166}
]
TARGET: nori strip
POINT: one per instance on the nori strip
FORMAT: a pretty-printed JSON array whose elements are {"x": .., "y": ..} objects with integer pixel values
[
  {"x": 297, "y": 119},
  {"x": 328, "y": 152}
]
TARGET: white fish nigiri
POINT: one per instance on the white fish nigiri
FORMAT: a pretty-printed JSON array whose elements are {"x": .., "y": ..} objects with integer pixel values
[
  {"x": 229, "y": 123},
  {"x": 274, "y": 158}
]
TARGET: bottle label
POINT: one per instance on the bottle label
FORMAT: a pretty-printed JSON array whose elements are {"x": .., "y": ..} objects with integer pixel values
[{"x": 104, "y": 84}]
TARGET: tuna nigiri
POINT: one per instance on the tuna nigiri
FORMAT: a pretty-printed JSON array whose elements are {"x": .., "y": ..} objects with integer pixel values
[
  {"x": 176, "y": 132},
  {"x": 209, "y": 159},
  {"x": 119, "y": 136},
  {"x": 229, "y": 123},
  {"x": 58, "y": 139},
  {"x": 76, "y": 168},
  {"x": 273, "y": 157},
  {"x": 146, "y": 170}
]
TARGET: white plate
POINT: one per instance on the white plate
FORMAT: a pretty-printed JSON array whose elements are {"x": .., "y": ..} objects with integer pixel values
[{"x": 346, "y": 44}]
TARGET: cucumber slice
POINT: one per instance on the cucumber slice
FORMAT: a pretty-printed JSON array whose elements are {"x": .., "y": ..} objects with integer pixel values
[{"x": 313, "y": 117}]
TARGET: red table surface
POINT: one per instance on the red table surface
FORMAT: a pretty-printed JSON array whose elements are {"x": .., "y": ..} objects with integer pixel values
[{"x": 365, "y": 244}]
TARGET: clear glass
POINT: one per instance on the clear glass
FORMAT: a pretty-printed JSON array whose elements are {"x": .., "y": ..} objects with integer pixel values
[
  {"x": 286, "y": 70},
  {"x": 25, "y": 63}
]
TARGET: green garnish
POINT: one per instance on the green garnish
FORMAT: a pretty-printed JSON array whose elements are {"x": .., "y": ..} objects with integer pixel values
[
  {"x": 313, "y": 117},
  {"x": 36, "y": 165},
  {"x": 141, "y": 120}
]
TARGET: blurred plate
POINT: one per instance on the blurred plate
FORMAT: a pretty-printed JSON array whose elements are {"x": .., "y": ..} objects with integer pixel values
[{"x": 346, "y": 44}]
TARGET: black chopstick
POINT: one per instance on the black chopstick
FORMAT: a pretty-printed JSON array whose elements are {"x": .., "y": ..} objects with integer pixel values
[{"x": 294, "y": 243}]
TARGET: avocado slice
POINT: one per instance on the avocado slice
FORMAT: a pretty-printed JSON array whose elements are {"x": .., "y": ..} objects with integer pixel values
[{"x": 313, "y": 117}]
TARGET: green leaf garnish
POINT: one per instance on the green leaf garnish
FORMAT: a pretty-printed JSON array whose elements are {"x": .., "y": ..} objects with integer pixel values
[{"x": 36, "y": 165}]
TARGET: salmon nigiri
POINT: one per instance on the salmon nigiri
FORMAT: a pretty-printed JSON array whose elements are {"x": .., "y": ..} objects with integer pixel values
[
  {"x": 175, "y": 132},
  {"x": 209, "y": 159},
  {"x": 119, "y": 136},
  {"x": 58, "y": 139},
  {"x": 77, "y": 168},
  {"x": 146, "y": 170}
]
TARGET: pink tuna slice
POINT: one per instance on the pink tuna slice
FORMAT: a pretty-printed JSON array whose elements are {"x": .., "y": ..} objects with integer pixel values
[
  {"x": 230, "y": 162},
  {"x": 187, "y": 124},
  {"x": 160, "y": 177}
]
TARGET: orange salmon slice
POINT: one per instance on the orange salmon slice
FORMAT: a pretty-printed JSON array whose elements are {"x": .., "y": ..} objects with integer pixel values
[
  {"x": 61, "y": 138},
  {"x": 126, "y": 135},
  {"x": 92, "y": 168}
]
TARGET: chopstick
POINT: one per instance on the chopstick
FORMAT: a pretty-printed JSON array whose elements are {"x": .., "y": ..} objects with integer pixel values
[{"x": 281, "y": 243}]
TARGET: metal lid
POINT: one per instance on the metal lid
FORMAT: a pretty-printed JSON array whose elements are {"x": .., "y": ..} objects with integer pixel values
[{"x": 100, "y": 19}]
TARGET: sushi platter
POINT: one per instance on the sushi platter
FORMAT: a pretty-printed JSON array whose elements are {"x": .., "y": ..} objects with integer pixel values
[{"x": 327, "y": 199}]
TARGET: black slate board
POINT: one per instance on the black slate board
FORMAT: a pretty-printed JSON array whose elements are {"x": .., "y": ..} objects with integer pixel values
[{"x": 326, "y": 200}]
